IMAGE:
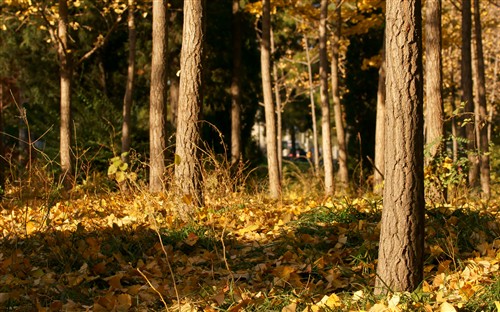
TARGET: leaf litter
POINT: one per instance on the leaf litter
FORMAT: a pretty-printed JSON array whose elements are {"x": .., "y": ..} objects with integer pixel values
[{"x": 104, "y": 253}]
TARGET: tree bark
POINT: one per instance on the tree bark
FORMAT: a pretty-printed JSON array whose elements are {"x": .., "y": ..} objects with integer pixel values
[
  {"x": 313, "y": 107},
  {"x": 467, "y": 94},
  {"x": 129, "y": 87},
  {"x": 3, "y": 160},
  {"x": 482, "y": 114},
  {"x": 265, "y": 57},
  {"x": 433, "y": 83},
  {"x": 343, "y": 173},
  {"x": 378, "y": 174},
  {"x": 65, "y": 81},
  {"x": 325, "y": 103},
  {"x": 158, "y": 97},
  {"x": 236, "y": 86},
  {"x": 401, "y": 247},
  {"x": 279, "y": 108},
  {"x": 188, "y": 167}
]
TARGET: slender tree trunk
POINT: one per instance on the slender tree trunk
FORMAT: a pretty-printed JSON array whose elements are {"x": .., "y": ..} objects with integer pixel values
[
  {"x": 467, "y": 95},
  {"x": 129, "y": 87},
  {"x": 378, "y": 174},
  {"x": 3, "y": 160},
  {"x": 236, "y": 86},
  {"x": 158, "y": 97},
  {"x": 65, "y": 73},
  {"x": 174, "y": 100},
  {"x": 325, "y": 103},
  {"x": 482, "y": 114},
  {"x": 343, "y": 174},
  {"x": 188, "y": 167},
  {"x": 313, "y": 107},
  {"x": 455, "y": 130},
  {"x": 279, "y": 121},
  {"x": 401, "y": 247},
  {"x": 265, "y": 52},
  {"x": 433, "y": 85}
]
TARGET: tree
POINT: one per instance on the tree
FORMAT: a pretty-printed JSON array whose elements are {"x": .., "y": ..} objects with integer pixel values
[
  {"x": 467, "y": 94},
  {"x": 63, "y": 52},
  {"x": 313, "y": 105},
  {"x": 188, "y": 167},
  {"x": 481, "y": 112},
  {"x": 129, "y": 86},
  {"x": 378, "y": 174},
  {"x": 325, "y": 103},
  {"x": 271, "y": 144},
  {"x": 343, "y": 174},
  {"x": 433, "y": 79},
  {"x": 236, "y": 85},
  {"x": 158, "y": 97},
  {"x": 401, "y": 247}
]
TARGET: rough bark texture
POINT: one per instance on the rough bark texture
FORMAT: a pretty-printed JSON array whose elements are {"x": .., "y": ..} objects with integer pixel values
[
  {"x": 481, "y": 112},
  {"x": 433, "y": 82},
  {"x": 343, "y": 173},
  {"x": 158, "y": 97},
  {"x": 313, "y": 107},
  {"x": 65, "y": 76},
  {"x": 467, "y": 95},
  {"x": 236, "y": 86},
  {"x": 401, "y": 248},
  {"x": 129, "y": 87},
  {"x": 378, "y": 174},
  {"x": 325, "y": 103},
  {"x": 188, "y": 168},
  {"x": 265, "y": 58}
]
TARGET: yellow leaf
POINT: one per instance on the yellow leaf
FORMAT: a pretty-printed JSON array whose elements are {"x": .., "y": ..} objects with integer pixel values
[
  {"x": 123, "y": 302},
  {"x": 447, "y": 307},
  {"x": 290, "y": 308},
  {"x": 378, "y": 307},
  {"x": 497, "y": 304}
]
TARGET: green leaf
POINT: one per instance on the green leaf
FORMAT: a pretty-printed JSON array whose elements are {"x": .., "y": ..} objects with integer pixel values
[
  {"x": 123, "y": 167},
  {"x": 120, "y": 176},
  {"x": 112, "y": 169}
]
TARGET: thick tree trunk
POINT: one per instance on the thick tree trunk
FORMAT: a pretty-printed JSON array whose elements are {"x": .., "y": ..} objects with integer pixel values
[
  {"x": 433, "y": 83},
  {"x": 65, "y": 75},
  {"x": 236, "y": 86},
  {"x": 313, "y": 107},
  {"x": 272, "y": 153},
  {"x": 467, "y": 94},
  {"x": 378, "y": 174},
  {"x": 158, "y": 97},
  {"x": 401, "y": 248},
  {"x": 188, "y": 167},
  {"x": 325, "y": 103},
  {"x": 129, "y": 87},
  {"x": 343, "y": 174},
  {"x": 482, "y": 115}
]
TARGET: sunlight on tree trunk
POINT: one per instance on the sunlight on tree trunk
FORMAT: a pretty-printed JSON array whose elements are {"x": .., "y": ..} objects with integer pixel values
[
  {"x": 158, "y": 97},
  {"x": 325, "y": 103},
  {"x": 236, "y": 86},
  {"x": 401, "y": 246},
  {"x": 272, "y": 153},
  {"x": 378, "y": 174},
  {"x": 188, "y": 176},
  {"x": 65, "y": 71}
]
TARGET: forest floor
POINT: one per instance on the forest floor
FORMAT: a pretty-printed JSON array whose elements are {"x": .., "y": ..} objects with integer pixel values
[{"x": 117, "y": 252}]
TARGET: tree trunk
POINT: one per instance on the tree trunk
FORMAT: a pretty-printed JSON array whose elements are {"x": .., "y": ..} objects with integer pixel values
[
  {"x": 65, "y": 75},
  {"x": 455, "y": 129},
  {"x": 343, "y": 174},
  {"x": 433, "y": 83},
  {"x": 174, "y": 100},
  {"x": 482, "y": 118},
  {"x": 279, "y": 120},
  {"x": 3, "y": 160},
  {"x": 265, "y": 58},
  {"x": 467, "y": 95},
  {"x": 378, "y": 174},
  {"x": 236, "y": 86},
  {"x": 325, "y": 103},
  {"x": 313, "y": 107},
  {"x": 129, "y": 87},
  {"x": 188, "y": 167},
  {"x": 158, "y": 97},
  {"x": 401, "y": 247}
]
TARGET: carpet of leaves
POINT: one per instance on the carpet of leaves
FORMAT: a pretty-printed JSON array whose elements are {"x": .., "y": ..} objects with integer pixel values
[{"x": 129, "y": 253}]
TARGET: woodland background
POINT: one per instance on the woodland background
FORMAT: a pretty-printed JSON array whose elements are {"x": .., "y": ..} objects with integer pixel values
[{"x": 92, "y": 232}]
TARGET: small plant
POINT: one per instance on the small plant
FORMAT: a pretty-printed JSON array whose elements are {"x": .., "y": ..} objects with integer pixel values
[
  {"x": 119, "y": 170},
  {"x": 442, "y": 175}
]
